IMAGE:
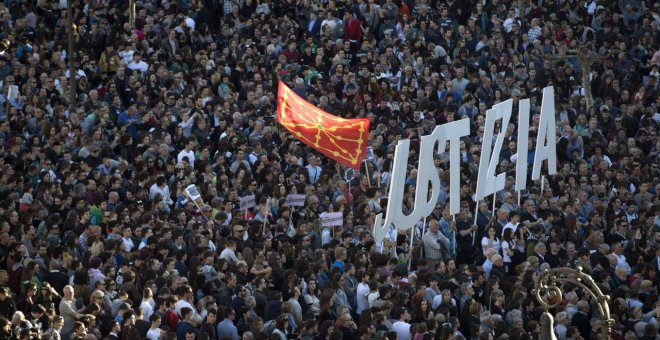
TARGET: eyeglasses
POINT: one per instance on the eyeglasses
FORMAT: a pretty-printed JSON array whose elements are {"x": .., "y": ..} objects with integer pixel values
[{"x": 239, "y": 230}]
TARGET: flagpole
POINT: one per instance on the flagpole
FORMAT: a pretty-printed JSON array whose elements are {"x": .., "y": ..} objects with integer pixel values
[{"x": 366, "y": 169}]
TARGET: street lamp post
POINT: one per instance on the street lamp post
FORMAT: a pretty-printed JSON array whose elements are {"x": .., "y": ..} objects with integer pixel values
[{"x": 549, "y": 295}]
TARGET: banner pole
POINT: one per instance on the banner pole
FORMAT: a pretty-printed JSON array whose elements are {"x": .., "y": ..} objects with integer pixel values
[
  {"x": 421, "y": 253},
  {"x": 412, "y": 240},
  {"x": 366, "y": 169},
  {"x": 542, "y": 184},
  {"x": 453, "y": 235},
  {"x": 195, "y": 202},
  {"x": 494, "y": 200},
  {"x": 476, "y": 213}
]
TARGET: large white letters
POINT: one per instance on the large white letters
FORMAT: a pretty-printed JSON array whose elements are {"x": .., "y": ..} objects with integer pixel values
[
  {"x": 487, "y": 182},
  {"x": 547, "y": 131},
  {"x": 427, "y": 174}
]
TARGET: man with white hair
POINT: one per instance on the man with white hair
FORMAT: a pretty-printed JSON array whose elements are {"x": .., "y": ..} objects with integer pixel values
[{"x": 68, "y": 311}]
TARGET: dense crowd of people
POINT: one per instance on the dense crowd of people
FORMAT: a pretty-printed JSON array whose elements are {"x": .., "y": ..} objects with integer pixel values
[{"x": 98, "y": 239}]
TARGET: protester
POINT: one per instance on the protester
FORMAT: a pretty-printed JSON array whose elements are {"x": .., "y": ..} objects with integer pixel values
[{"x": 99, "y": 237}]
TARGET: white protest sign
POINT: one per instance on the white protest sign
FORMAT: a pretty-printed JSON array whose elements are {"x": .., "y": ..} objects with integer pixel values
[
  {"x": 193, "y": 193},
  {"x": 295, "y": 200},
  {"x": 247, "y": 202},
  {"x": 332, "y": 219},
  {"x": 13, "y": 92}
]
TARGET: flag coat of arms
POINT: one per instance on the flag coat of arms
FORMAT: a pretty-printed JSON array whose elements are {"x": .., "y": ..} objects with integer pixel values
[{"x": 341, "y": 139}]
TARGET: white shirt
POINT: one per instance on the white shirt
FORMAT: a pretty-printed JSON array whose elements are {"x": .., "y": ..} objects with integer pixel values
[
  {"x": 505, "y": 247},
  {"x": 372, "y": 297},
  {"x": 140, "y": 66},
  {"x": 127, "y": 243},
  {"x": 314, "y": 172},
  {"x": 183, "y": 304},
  {"x": 437, "y": 300},
  {"x": 513, "y": 227},
  {"x": 487, "y": 266},
  {"x": 190, "y": 154},
  {"x": 485, "y": 242},
  {"x": 621, "y": 262},
  {"x": 153, "y": 334},
  {"x": 154, "y": 190},
  {"x": 147, "y": 310},
  {"x": 229, "y": 255},
  {"x": 362, "y": 297},
  {"x": 402, "y": 330},
  {"x": 126, "y": 56}
]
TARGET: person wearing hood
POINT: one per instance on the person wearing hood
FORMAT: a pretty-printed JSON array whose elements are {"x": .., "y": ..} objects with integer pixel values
[{"x": 95, "y": 274}]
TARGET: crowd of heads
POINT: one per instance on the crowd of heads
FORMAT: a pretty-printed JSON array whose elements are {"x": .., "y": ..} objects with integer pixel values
[{"x": 102, "y": 237}]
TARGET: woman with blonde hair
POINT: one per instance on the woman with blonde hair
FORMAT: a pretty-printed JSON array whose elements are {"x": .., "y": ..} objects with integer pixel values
[{"x": 97, "y": 248}]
